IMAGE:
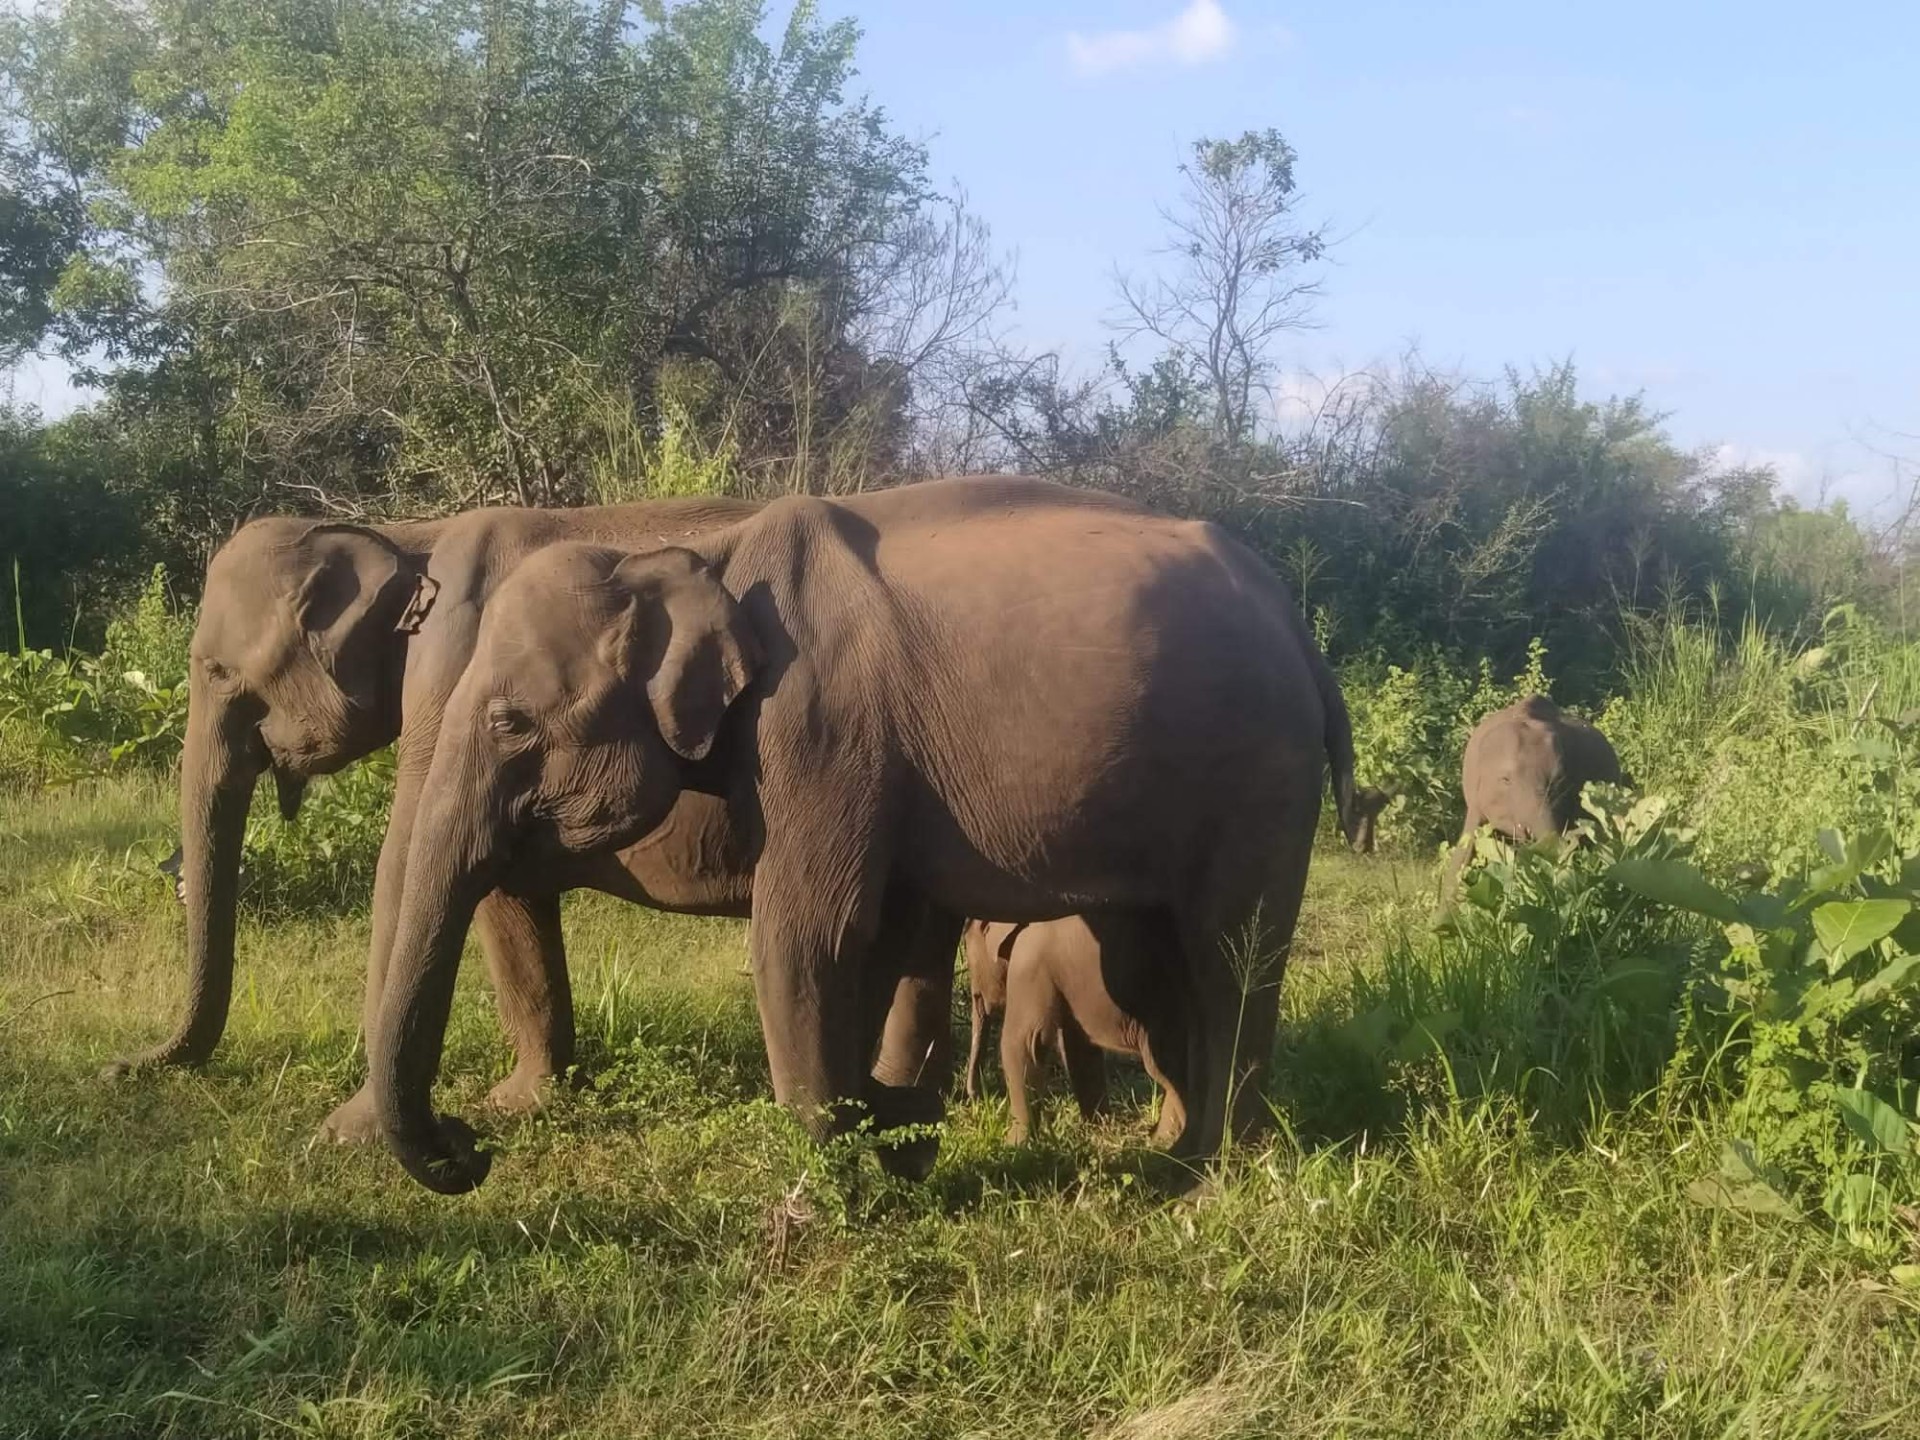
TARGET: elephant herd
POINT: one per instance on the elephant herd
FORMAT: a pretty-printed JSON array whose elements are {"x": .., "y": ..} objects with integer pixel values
[{"x": 859, "y": 721}]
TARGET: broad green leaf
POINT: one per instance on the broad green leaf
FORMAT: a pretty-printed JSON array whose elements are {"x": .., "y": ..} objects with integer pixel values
[
  {"x": 1896, "y": 973},
  {"x": 1677, "y": 884},
  {"x": 1906, "y": 1275},
  {"x": 1874, "y": 750},
  {"x": 1846, "y": 927},
  {"x": 1851, "y": 858},
  {"x": 1874, "y": 1121}
]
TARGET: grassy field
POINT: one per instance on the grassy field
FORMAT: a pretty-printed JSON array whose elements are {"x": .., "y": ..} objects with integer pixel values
[{"x": 661, "y": 1255}]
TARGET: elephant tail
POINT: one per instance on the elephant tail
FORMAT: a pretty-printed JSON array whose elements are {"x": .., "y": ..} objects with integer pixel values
[{"x": 1339, "y": 733}]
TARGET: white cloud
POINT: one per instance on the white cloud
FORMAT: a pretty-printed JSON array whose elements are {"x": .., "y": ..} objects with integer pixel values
[{"x": 1199, "y": 33}]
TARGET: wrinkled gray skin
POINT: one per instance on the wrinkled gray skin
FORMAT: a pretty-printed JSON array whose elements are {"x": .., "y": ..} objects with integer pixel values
[
  {"x": 1078, "y": 986},
  {"x": 318, "y": 643},
  {"x": 1160, "y": 740},
  {"x": 1523, "y": 771}
]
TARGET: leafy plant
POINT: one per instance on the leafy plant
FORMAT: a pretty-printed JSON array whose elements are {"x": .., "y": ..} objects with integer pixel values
[
  {"x": 1809, "y": 1015},
  {"x": 66, "y": 717},
  {"x": 1550, "y": 983}
]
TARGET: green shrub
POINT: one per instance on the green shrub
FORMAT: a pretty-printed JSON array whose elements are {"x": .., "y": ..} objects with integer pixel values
[
  {"x": 324, "y": 860},
  {"x": 1765, "y": 744},
  {"x": 67, "y": 717},
  {"x": 1550, "y": 984},
  {"x": 1810, "y": 1017}
]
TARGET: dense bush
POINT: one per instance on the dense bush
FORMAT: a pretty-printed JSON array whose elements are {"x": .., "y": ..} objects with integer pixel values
[
  {"x": 1550, "y": 983},
  {"x": 65, "y": 717}
]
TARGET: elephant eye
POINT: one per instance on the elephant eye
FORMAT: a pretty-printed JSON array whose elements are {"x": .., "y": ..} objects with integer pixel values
[{"x": 507, "y": 721}]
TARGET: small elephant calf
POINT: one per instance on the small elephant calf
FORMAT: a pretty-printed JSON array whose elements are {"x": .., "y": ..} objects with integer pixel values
[
  {"x": 1055, "y": 982},
  {"x": 1523, "y": 772}
]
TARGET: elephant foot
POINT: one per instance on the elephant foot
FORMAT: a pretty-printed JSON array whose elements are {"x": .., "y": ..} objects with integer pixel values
[
  {"x": 893, "y": 1106},
  {"x": 353, "y": 1121},
  {"x": 523, "y": 1092},
  {"x": 1016, "y": 1134}
]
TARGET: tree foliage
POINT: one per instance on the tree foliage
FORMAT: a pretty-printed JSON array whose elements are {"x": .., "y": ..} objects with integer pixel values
[{"x": 408, "y": 253}]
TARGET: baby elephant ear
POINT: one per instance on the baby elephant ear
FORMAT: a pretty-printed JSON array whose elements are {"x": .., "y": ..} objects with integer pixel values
[{"x": 690, "y": 643}]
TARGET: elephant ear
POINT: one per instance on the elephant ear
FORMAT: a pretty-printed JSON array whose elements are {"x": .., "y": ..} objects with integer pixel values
[
  {"x": 348, "y": 580},
  {"x": 687, "y": 638}
]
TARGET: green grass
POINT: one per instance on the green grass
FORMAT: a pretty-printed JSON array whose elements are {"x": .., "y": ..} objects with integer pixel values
[{"x": 661, "y": 1254}]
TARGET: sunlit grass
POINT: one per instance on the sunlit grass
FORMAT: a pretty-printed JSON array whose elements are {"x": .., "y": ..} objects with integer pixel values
[{"x": 661, "y": 1254}]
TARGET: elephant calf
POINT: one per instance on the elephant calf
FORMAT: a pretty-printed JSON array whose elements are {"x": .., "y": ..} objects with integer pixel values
[
  {"x": 1523, "y": 772},
  {"x": 1050, "y": 980}
]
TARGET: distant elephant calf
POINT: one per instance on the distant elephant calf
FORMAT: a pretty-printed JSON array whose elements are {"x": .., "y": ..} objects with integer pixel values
[
  {"x": 1523, "y": 772},
  {"x": 1078, "y": 987}
]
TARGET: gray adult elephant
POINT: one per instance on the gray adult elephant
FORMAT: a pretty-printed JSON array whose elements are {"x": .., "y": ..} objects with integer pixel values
[
  {"x": 317, "y": 644},
  {"x": 1523, "y": 771},
  {"x": 1159, "y": 740}
]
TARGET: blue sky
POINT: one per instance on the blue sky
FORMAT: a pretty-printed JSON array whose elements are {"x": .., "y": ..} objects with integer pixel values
[{"x": 1717, "y": 204}]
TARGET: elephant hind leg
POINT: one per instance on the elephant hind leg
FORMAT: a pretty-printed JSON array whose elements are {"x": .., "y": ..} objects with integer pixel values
[
  {"x": 1163, "y": 1050},
  {"x": 1235, "y": 942}
]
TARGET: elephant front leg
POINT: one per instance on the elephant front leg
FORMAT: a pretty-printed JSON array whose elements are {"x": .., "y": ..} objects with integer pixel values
[
  {"x": 352, "y": 1121},
  {"x": 1023, "y": 1043},
  {"x": 807, "y": 959},
  {"x": 527, "y": 960},
  {"x": 911, "y": 970},
  {"x": 1086, "y": 1068}
]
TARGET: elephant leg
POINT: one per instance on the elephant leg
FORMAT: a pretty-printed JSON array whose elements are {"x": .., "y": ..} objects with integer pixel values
[
  {"x": 352, "y": 1121},
  {"x": 812, "y": 936},
  {"x": 1236, "y": 949},
  {"x": 976, "y": 1046},
  {"x": 527, "y": 962},
  {"x": 1161, "y": 1053},
  {"x": 1086, "y": 1068},
  {"x": 1023, "y": 1042},
  {"x": 910, "y": 968}
]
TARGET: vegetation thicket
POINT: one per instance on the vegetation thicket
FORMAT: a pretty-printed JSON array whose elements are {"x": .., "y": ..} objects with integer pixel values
[{"x": 1628, "y": 1143}]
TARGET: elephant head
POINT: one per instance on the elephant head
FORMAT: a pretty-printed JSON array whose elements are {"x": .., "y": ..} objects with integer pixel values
[
  {"x": 296, "y": 668},
  {"x": 598, "y": 683}
]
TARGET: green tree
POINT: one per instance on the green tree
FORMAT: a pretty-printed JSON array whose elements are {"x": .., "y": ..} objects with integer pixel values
[{"x": 405, "y": 253}]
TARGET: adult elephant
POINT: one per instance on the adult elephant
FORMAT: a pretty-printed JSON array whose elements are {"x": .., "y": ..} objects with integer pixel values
[
  {"x": 1159, "y": 739},
  {"x": 317, "y": 644}
]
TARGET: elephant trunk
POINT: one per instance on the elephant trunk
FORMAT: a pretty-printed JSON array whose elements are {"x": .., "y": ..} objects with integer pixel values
[
  {"x": 449, "y": 871},
  {"x": 218, "y": 770}
]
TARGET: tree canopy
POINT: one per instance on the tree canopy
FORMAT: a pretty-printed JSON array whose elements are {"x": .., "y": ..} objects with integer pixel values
[{"x": 375, "y": 257}]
